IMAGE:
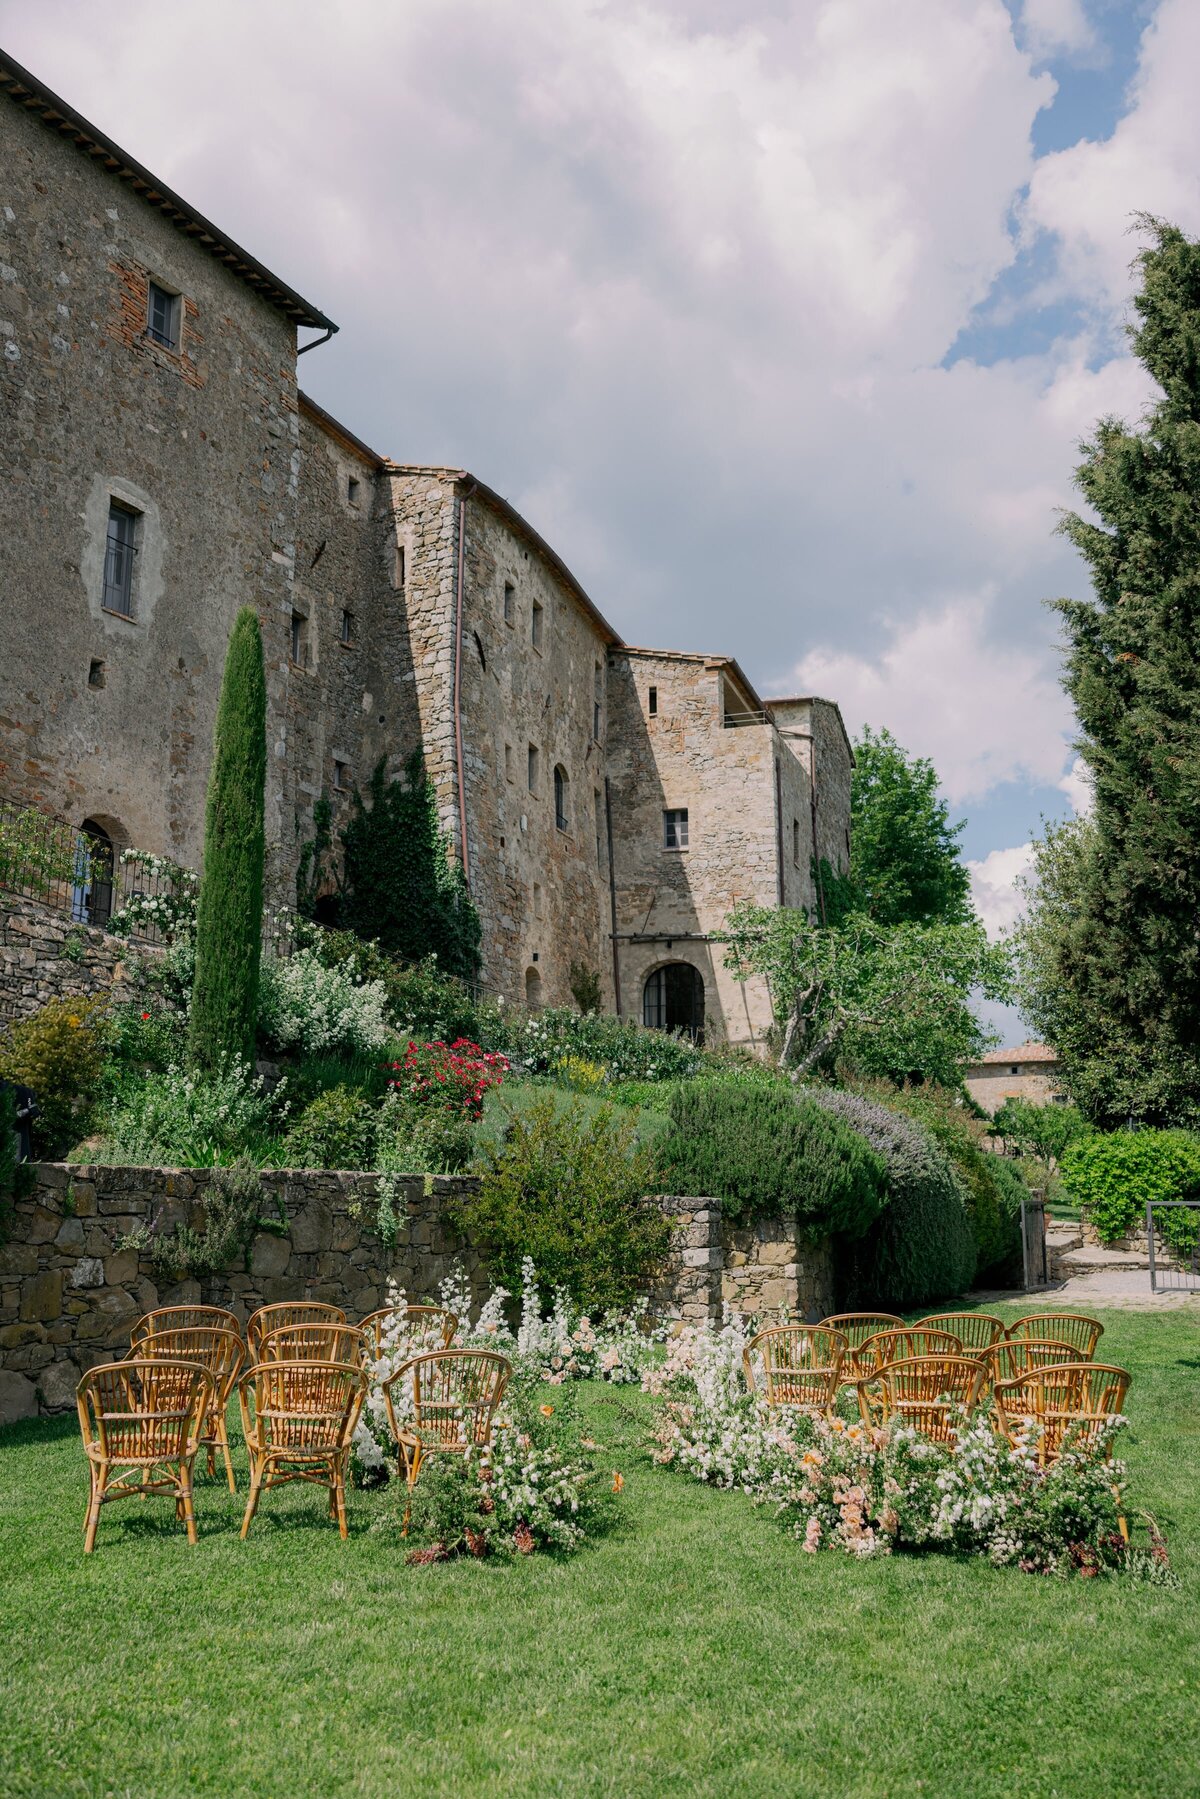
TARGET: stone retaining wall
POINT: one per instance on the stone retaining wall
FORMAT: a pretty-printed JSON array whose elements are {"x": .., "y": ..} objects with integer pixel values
[
  {"x": 69, "y": 1292},
  {"x": 44, "y": 956}
]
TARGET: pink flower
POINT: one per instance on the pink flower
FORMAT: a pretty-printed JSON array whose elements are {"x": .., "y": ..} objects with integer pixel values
[{"x": 812, "y": 1536}]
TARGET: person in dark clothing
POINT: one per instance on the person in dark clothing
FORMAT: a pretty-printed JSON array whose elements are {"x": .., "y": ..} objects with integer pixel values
[{"x": 27, "y": 1110}]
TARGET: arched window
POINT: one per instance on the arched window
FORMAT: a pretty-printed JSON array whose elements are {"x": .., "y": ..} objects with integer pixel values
[
  {"x": 91, "y": 894},
  {"x": 673, "y": 1000},
  {"x": 533, "y": 989},
  {"x": 562, "y": 790}
]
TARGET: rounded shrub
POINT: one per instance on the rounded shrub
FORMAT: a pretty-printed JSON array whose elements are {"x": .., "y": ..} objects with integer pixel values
[
  {"x": 59, "y": 1053},
  {"x": 993, "y": 1186},
  {"x": 762, "y": 1149},
  {"x": 921, "y": 1247},
  {"x": 1112, "y": 1176},
  {"x": 335, "y": 1130}
]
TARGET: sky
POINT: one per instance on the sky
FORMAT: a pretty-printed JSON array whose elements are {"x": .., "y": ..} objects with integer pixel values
[{"x": 782, "y": 320}]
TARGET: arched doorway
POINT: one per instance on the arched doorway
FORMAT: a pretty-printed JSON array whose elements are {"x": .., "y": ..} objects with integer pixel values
[
  {"x": 673, "y": 1000},
  {"x": 533, "y": 990},
  {"x": 92, "y": 892}
]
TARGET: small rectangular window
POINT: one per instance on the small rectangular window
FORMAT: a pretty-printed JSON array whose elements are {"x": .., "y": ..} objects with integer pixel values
[
  {"x": 353, "y": 489},
  {"x": 162, "y": 317},
  {"x": 533, "y": 768},
  {"x": 508, "y": 762},
  {"x": 675, "y": 828},
  {"x": 535, "y": 626},
  {"x": 537, "y": 899},
  {"x": 299, "y": 648},
  {"x": 400, "y": 575},
  {"x": 341, "y": 776},
  {"x": 510, "y": 603},
  {"x": 346, "y": 632},
  {"x": 652, "y": 707},
  {"x": 119, "y": 552},
  {"x": 796, "y": 841}
]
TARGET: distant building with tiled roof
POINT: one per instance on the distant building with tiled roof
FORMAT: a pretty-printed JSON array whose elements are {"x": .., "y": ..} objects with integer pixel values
[{"x": 1028, "y": 1072}]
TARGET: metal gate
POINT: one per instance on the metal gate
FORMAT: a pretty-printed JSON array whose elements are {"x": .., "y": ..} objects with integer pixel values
[
  {"x": 1033, "y": 1241},
  {"x": 1175, "y": 1264}
]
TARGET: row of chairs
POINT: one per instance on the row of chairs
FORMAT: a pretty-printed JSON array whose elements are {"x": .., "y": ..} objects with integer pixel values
[
  {"x": 145, "y": 1419},
  {"x": 924, "y": 1374}
]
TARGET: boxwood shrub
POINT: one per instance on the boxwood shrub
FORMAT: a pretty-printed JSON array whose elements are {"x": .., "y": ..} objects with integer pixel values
[
  {"x": 921, "y": 1247},
  {"x": 1112, "y": 1176},
  {"x": 763, "y": 1149}
]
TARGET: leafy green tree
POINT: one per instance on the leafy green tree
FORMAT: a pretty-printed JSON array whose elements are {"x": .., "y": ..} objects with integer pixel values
[
  {"x": 1044, "y": 1133},
  {"x": 905, "y": 862},
  {"x": 890, "y": 1000},
  {"x": 400, "y": 885},
  {"x": 229, "y": 909},
  {"x": 1133, "y": 672}
]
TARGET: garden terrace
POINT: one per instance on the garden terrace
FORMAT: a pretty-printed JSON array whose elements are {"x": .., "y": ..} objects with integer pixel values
[{"x": 694, "y": 1648}]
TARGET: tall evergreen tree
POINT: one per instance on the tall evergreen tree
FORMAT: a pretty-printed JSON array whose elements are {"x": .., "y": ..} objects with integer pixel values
[
  {"x": 1133, "y": 672},
  {"x": 229, "y": 910},
  {"x": 905, "y": 862}
]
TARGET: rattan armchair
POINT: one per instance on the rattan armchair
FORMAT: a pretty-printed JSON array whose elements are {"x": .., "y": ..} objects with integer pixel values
[
  {"x": 929, "y": 1393},
  {"x": 1075, "y": 1400},
  {"x": 1081, "y": 1332},
  {"x": 141, "y": 1422},
  {"x": 407, "y": 1331},
  {"x": 182, "y": 1318},
  {"x": 857, "y": 1328},
  {"x": 903, "y": 1344},
  {"x": 801, "y": 1366},
  {"x": 291, "y": 1311},
  {"x": 222, "y": 1352},
  {"x": 314, "y": 1343},
  {"x": 444, "y": 1403},
  {"x": 1008, "y": 1360},
  {"x": 976, "y": 1331},
  {"x": 298, "y": 1419}
]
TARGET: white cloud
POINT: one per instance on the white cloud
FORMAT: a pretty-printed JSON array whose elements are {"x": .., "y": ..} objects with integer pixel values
[
  {"x": 1077, "y": 785},
  {"x": 984, "y": 711},
  {"x": 1056, "y": 27},
  {"x": 997, "y": 898}
]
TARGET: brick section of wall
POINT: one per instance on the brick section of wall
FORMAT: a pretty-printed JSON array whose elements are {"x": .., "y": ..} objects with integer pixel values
[{"x": 34, "y": 969}]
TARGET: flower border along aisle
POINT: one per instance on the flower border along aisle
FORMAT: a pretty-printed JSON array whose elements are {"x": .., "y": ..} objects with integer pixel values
[{"x": 869, "y": 1490}]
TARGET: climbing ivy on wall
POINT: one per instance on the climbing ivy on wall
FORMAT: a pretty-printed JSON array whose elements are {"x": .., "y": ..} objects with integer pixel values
[{"x": 399, "y": 884}]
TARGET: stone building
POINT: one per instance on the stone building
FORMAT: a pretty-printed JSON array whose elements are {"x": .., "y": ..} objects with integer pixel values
[
  {"x": 159, "y": 468},
  {"x": 1028, "y": 1072}
]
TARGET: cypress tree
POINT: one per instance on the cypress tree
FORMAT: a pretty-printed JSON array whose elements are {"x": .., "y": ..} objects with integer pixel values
[
  {"x": 229, "y": 911},
  {"x": 1133, "y": 672}
]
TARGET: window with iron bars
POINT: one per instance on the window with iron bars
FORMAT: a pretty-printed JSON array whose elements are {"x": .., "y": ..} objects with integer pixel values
[{"x": 119, "y": 551}]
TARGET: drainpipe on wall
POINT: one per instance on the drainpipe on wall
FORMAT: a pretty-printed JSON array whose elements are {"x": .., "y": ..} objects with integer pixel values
[
  {"x": 460, "y": 585},
  {"x": 612, "y": 898}
]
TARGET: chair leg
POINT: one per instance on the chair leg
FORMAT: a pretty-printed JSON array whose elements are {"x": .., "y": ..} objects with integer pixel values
[
  {"x": 340, "y": 1494},
  {"x": 99, "y": 1476},
  {"x": 185, "y": 1490},
  {"x": 256, "y": 1480},
  {"x": 223, "y": 1439}
]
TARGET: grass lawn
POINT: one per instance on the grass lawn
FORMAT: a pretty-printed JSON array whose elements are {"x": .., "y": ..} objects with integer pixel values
[{"x": 694, "y": 1651}]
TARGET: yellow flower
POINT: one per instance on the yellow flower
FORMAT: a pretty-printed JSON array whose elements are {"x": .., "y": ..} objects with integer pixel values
[
  {"x": 73, "y": 1022},
  {"x": 547, "y": 1411}
]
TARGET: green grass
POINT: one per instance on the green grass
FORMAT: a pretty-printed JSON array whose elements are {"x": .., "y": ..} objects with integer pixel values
[{"x": 693, "y": 1651}]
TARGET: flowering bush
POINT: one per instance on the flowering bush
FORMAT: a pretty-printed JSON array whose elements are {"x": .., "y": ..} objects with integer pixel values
[
  {"x": 866, "y": 1490},
  {"x": 305, "y": 1005},
  {"x": 59, "y": 1052},
  {"x": 182, "y": 1118},
  {"x": 169, "y": 911},
  {"x": 626, "y": 1051},
  {"x": 455, "y": 1076}
]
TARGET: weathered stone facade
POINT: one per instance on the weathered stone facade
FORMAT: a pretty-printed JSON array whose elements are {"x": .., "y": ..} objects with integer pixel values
[
  {"x": 1030, "y": 1072},
  {"x": 44, "y": 956},
  {"x": 69, "y": 1292},
  {"x": 402, "y": 606}
]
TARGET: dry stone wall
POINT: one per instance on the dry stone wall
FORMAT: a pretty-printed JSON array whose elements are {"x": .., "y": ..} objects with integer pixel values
[
  {"x": 44, "y": 956},
  {"x": 70, "y": 1291}
]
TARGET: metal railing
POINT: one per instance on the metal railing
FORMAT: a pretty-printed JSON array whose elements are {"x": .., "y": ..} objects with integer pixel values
[
  {"x": 1175, "y": 1263},
  {"x": 732, "y": 720},
  {"x": 59, "y": 866}
]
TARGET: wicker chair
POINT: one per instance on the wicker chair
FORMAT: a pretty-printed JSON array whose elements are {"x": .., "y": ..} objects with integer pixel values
[
  {"x": 976, "y": 1331},
  {"x": 911, "y": 1340},
  {"x": 925, "y": 1392},
  {"x": 1073, "y": 1327},
  {"x": 182, "y": 1318},
  {"x": 801, "y": 1366},
  {"x": 444, "y": 1402},
  {"x": 292, "y": 1311},
  {"x": 1008, "y": 1360},
  {"x": 857, "y": 1327},
  {"x": 141, "y": 1423},
  {"x": 1076, "y": 1398},
  {"x": 299, "y": 1418},
  {"x": 222, "y": 1353},
  {"x": 415, "y": 1329},
  {"x": 314, "y": 1343}
]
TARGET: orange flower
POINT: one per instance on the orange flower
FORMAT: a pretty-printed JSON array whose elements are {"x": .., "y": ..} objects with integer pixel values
[
  {"x": 547, "y": 1411},
  {"x": 618, "y": 1482}
]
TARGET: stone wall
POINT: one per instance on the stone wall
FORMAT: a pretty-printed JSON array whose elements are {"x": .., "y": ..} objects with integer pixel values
[
  {"x": 44, "y": 956},
  {"x": 69, "y": 1292}
]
